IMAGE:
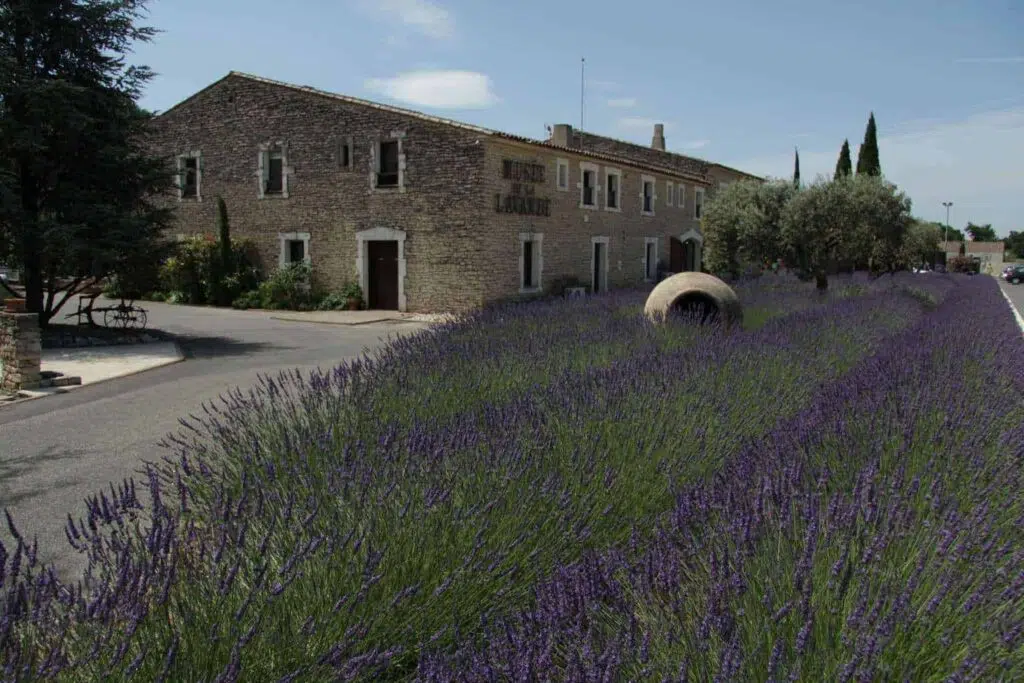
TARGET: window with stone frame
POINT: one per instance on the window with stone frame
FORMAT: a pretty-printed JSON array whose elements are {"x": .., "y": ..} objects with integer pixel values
[
  {"x": 589, "y": 183},
  {"x": 698, "y": 202},
  {"x": 648, "y": 196},
  {"x": 388, "y": 163},
  {"x": 273, "y": 170},
  {"x": 345, "y": 154},
  {"x": 189, "y": 176},
  {"x": 530, "y": 261},
  {"x": 613, "y": 178},
  {"x": 295, "y": 251},
  {"x": 562, "y": 174},
  {"x": 670, "y": 192}
]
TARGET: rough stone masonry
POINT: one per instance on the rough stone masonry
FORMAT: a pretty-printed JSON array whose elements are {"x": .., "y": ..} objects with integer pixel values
[{"x": 20, "y": 351}]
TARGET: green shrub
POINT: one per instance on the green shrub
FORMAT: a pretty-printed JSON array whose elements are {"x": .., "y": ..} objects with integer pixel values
[
  {"x": 196, "y": 272},
  {"x": 288, "y": 288},
  {"x": 332, "y": 302},
  {"x": 250, "y": 299}
]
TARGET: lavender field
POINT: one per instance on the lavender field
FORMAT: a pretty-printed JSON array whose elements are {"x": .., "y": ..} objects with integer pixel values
[{"x": 561, "y": 491}]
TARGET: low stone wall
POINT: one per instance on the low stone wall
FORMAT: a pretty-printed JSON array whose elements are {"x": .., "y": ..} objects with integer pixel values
[{"x": 20, "y": 351}]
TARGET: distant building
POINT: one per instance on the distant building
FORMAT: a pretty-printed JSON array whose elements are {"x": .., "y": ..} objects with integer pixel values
[{"x": 990, "y": 254}]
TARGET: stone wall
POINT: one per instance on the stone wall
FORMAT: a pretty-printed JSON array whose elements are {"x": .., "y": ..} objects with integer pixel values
[
  {"x": 20, "y": 351},
  {"x": 437, "y": 207},
  {"x": 567, "y": 233}
]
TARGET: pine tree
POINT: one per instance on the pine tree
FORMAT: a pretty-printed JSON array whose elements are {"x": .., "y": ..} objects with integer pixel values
[
  {"x": 796, "y": 169},
  {"x": 76, "y": 184},
  {"x": 867, "y": 158},
  {"x": 844, "y": 167}
]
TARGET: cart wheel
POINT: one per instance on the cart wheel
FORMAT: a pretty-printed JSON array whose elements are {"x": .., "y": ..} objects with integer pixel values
[
  {"x": 140, "y": 319},
  {"x": 116, "y": 318}
]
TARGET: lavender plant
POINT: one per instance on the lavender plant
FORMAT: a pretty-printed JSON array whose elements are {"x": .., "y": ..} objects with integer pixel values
[{"x": 545, "y": 510}]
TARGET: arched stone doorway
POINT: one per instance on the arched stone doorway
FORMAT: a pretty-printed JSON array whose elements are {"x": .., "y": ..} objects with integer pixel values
[{"x": 685, "y": 252}]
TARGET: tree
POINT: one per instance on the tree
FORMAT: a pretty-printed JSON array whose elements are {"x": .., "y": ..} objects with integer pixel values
[
  {"x": 1015, "y": 243},
  {"x": 223, "y": 264},
  {"x": 981, "y": 233},
  {"x": 76, "y": 179},
  {"x": 742, "y": 226},
  {"x": 867, "y": 158},
  {"x": 796, "y": 169},
  {"x": 853, "y": 219},
  {"x": 921, "y": 243},
  {"x": 844, "y": 167}
]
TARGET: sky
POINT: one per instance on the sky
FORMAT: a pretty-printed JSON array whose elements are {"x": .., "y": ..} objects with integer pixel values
[{"x": 738, "y": 82}]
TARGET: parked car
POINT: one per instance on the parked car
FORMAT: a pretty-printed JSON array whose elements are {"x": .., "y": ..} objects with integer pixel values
[{"x": 1014, "y": 274}]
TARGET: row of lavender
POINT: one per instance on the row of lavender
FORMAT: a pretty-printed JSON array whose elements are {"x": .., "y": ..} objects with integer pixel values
[
  {"x": 877, "y": 535},
  {"x": 297, "y": 532}
]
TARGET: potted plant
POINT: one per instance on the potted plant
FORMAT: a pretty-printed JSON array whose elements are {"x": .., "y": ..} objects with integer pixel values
[{"x": 353, "y": 294}]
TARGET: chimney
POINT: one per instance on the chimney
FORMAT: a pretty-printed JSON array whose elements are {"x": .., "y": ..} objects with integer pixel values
[
  {"x": 658, "y": 142},
  {"x": 561, "y": 135}
]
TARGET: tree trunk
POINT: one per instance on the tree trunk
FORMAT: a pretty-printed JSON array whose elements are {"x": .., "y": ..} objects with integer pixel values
[
  {"x": 31, "y": 248},
  {"x": 821, "y": 281}
]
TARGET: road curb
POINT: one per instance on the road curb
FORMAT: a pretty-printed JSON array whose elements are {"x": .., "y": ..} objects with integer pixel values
[
  {"x": 53, "y": 391},
  {"x": 1013, "y": 307}
]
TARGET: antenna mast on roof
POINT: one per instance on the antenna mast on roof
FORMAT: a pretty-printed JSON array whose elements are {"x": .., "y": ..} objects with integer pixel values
[{"x": 583, "y": 81}]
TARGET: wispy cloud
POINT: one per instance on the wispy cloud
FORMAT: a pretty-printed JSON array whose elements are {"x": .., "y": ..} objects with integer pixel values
[
  {"x": 696, "y": 144},
  {"x": 991, "y": 60},
  {"x": 598, "y": 84},
  {"x": 438, "y": 89},
  {"x": 422, "y": 16},
  {"x": 974, "y": 162},
  {"x": 622, "y": 102}
]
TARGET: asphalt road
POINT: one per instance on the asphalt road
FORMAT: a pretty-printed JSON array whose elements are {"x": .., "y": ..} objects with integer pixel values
[
  {"x": 1015, "y": 293},
  {"x": 55, "y": 451}
]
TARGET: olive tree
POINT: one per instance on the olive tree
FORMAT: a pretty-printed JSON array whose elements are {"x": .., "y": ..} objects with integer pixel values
[
  {"x": 742, "y": 225},
  {"x": 853, "y": 220}
]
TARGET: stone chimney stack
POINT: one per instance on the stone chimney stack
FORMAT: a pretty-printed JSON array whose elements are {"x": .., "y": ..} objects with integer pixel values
[
  {"x": 561, "y": 135},
  {"x": 658, "y": 142}
]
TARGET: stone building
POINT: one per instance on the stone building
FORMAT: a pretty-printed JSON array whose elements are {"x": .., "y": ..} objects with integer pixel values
[
  {"x": 429, "y": 214},
  {"x": 988, "y": 254}
]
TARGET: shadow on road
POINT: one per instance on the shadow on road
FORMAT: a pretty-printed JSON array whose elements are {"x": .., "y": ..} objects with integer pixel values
[
  {"x": 196, "y": 346},
  {"x": 21, "y": 469}
]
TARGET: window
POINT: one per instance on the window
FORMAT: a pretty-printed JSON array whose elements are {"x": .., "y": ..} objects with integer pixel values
[
  {"x": 275, "y": 173},
  {"x": 191, "y": 188},
  {"x": 650, "y": 259},
  {"x": 345, "y": 153},
  {"x": 273, "y": 170},
  {"x": 698, "y": 202},
  {"x": 647, "y": 195},
  {"x": 296, "y": 251},
  {"x": 681, "y": 196},
  {"x": 562, "y": 175},
  {"x": 613, "y": 180},
  {"x": 530, "y": 261},
  {"x": 387, "y": 173},
  {"x": 589, "y": 185},
  {"x": 294, "y": 248},
  {"x": 189, "y": 175},
  {"x": 669, "y": 193}
]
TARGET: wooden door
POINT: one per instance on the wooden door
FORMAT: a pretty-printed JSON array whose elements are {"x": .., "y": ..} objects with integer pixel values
[
  {"x": 383, "y": 275},
  {"x": 598, "y": 284},
  {"x": 677, "y": 263}
]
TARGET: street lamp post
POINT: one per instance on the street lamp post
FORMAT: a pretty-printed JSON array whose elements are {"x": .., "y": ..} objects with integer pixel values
[{"x": 945, "y": 235}]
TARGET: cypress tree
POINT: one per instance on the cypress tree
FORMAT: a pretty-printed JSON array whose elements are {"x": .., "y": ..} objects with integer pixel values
[
  {"x": 796, "y": 169},
  {"x": 844, "y": 167},
  {"x": 867, "y": 159}
]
